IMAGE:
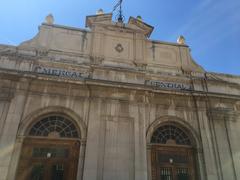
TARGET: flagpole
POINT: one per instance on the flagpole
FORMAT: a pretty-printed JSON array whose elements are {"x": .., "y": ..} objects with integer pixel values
[
  {"x": 120, "y": 18},
  {"x": 120, "y": 14}
]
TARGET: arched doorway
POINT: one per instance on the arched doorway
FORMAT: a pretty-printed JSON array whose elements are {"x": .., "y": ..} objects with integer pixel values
[
  {"x": 172, "y": 154},
  {"x": 50, "y": 151}
]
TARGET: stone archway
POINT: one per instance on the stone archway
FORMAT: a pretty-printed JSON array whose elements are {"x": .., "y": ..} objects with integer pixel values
[
  {"x": 50, "y": 149},
  {"x": 171, "y": 151}
]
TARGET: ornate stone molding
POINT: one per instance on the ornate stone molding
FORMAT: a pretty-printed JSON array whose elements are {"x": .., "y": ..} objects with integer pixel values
[
  {"x": 96, "y": 60},
  {"x": 6, "y": 94},
  {"x": 42, "y": 52},
  {"x": 223, "y": 114},
  {"x": 141, "y": 66}
]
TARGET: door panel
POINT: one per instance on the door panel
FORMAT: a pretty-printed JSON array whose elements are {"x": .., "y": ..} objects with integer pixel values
[
  {"x": 58, "y": 171},
  {"x": 166, "y": 173},
  {"x": 182, "y": 174},
  {"x": 44, "y": 159},
  {"x": 37, "y": 172},
  {"x": 172, "y": 163}
]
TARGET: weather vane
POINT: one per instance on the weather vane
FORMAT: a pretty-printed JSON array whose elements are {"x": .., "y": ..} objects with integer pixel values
[{"x": 120, "y": 16}]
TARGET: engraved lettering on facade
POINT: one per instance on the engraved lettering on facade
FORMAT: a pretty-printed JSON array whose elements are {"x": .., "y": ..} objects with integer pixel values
[
  {"x": 61, "y": 72},
  {"x": 168, "y": 85}
]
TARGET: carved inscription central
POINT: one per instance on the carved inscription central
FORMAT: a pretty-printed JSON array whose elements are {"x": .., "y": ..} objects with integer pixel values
[{"x": 169, "y": 85}]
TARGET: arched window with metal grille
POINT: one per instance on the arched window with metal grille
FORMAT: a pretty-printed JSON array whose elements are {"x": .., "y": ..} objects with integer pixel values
[
  {"x": 170, "y": 134},
  {"x": 55, "y": 126},
  {"x": 172, "y": 153}
]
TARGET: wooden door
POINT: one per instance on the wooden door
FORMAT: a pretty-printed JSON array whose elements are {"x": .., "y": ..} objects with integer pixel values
[
  {"x": 48, "y": 159},
  {"x": 172, "y": 163}
]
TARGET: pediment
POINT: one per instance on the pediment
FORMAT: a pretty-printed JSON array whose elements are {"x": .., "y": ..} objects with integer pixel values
[
  {"x": 137, "y": 24},
  {"x": 133, "y": 25},
  {"x": 98, "y": 19}
]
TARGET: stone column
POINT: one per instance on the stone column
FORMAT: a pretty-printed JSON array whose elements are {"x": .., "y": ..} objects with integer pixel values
[
  {"x": 233, "y": 129},
  {"x": 222, "y": 117},
  {"x": 10, "y": 129},
  {"x": 211, "y": 164},
  {"x": 92, "y": 147},
  {"x": 15, "y": 159},
  {"x": 140, "y": 147}
]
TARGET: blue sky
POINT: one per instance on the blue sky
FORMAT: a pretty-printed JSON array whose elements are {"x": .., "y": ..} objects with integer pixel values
[{"x": 211, "y": 27}]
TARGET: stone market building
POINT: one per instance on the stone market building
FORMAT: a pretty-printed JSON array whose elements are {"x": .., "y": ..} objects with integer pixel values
[{"x": 107, "y": 103}]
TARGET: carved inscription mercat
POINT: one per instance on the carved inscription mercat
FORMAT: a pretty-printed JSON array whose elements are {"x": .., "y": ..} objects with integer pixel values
[{"x": 61, "y": 72}]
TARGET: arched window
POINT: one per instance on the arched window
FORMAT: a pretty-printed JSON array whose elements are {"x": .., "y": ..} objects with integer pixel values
[
  {"x": 56, "y": 126},
  {"x": 170, "y": 134}
]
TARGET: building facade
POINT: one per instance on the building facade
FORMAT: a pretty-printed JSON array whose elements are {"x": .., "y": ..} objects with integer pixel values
[{"x": 108, "y": 103}]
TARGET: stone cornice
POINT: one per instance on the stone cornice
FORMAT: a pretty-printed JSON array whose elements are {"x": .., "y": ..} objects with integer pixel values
[
  {"x": 107, "y": 83},
  {"x": 34, "y": 54},
  {"x": 29, "y": 60}
]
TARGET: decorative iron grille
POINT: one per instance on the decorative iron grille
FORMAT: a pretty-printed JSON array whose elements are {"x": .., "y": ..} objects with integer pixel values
[
  {"x": 169, "y": 132},
  {"x": 54, "y": 124}
]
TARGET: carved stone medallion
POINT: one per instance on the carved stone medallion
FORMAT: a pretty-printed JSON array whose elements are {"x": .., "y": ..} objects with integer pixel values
[{"x": 119, "y": 48}]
